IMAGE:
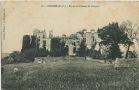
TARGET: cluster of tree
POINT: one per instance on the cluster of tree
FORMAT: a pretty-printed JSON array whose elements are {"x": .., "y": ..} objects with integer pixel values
[
  {"x": 114, "y": 34},
  {"x": 30, "y": 48},
  {"x": 29, "y": 42},
  {"x": 14, "y": 57},
  {"x": 58, "y": 47},
  {"x": 83, "y": 49},
  {"x": 27, "y": 55}
]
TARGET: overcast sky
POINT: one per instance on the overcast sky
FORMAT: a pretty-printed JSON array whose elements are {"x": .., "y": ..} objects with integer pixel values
[{"x": 22, "y": 18}]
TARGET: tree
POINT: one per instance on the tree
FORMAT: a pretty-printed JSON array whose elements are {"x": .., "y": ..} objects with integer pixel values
[
  {"x": 112, "y": 35},
  {"x": 57, "y": 47},
  {"x": 131, "y": 32},
  {"x": 34, "y": 42},
  {"x": 29, "y": 42},
  {"x": 114, "y": 51},
  {"x": 26, "y": 42},
  {"x": 14, "y": 57},
  {"x": 30, "y": 54},
  {"x": 82, "y": 49}
]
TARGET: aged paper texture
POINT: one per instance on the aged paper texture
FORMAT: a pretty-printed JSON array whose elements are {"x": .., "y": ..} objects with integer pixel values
[{"x": 69, "y": 45}]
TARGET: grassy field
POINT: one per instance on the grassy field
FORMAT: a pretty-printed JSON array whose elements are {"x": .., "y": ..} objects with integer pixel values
[{"x": 69, "y": 75}]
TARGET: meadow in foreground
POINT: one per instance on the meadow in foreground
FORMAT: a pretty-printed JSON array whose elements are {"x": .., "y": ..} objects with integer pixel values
[{"x": 69, "y": 75}]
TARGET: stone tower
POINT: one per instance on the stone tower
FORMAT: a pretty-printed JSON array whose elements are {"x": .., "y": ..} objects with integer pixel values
[{"x": 51, "y": 34}]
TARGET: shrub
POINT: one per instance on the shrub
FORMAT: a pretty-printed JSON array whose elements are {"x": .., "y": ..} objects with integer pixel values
[
  {"x": 14, "y": 57},
  {"x": 82, "y": 50},
  {"x": 7, "y": 60},
  {"x": 96, "y": 55},
  {"x": 30, "y": 54},
  {"x": 42, "y": 52},
  {"x": 132, "y": 54},
  {"x": 57, "y": 47}
]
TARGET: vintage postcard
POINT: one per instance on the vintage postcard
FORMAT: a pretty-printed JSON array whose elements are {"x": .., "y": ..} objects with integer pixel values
[{"x": 69, "y": 45}]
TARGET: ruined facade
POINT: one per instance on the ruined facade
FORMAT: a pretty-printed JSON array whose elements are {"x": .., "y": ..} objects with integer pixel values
[
  {"x": 42, "y": 39},
  {"x": 39, "y": 39},
  {"x": 73, "y": 45},
  {"x": 75, "y": 40}
]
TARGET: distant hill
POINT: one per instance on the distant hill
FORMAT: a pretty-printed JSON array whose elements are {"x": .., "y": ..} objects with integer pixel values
[{"x": 4, "y": 55}]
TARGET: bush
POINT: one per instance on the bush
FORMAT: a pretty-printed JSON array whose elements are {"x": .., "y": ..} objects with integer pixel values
[
  {"x": 18, "y": 56},
  {"x": 25, "y": 56},
  {"x": 14, "y": 57},
  {"x": 30, "y": 54},
  {"x": 7, "y": 60},
  {"x": 58, "y": 47},
  {"x": 94, "y": 54},
  {"x": 132, "y": 54},
  {"x": 42, "y": 52},
  {"x": 82, "y": 50}
]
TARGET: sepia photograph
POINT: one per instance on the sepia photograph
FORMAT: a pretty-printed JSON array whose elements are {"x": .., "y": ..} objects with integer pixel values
[{"x": 69, "y": 45}]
